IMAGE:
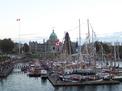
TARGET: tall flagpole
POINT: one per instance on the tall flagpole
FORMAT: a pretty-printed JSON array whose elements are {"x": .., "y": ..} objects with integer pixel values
[{"x": 18, "y": 20}]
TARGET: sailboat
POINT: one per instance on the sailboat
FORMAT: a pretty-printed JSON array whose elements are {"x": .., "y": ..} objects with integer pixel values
[
  {"x": 116, "y": 68},
  {"x": 86, "y": 63}
]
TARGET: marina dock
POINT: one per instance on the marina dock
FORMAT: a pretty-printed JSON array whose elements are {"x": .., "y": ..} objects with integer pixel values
[
  {"x": 6, "y": 67},
  {"x": 6, "y": 72},
  {"x": 55, "y": 82}
]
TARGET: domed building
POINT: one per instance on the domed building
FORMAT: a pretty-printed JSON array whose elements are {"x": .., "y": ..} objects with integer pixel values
[
  {"x": 53, "y": 36},
  {"x": 48, "y": 48},
  {"x": 53, "y": 43}
]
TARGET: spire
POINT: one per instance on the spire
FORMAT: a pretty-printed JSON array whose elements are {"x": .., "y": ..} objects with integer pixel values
[{"x": 53, "y": 30}]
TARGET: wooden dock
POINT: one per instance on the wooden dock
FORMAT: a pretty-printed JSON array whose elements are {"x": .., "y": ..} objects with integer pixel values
[
  {"x": 6, "y": 72},
  {"x": 95, "y": 82}
]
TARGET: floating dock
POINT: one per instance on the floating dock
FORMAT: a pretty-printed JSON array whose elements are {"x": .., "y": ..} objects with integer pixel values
[
  {"x": 6, "y": 72},
  {"x": 94, "y": 82}
]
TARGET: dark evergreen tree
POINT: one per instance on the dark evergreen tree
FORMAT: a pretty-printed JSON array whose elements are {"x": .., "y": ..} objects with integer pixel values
[
  {"x": 6, "y": 45},
  {"x": 26, "y": 48},
  {"x": 67, "y": 44},
  {"x": 106, "y": 48}
]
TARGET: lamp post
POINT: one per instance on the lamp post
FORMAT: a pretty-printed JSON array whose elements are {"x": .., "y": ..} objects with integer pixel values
[{"x": 18, "y": 20}]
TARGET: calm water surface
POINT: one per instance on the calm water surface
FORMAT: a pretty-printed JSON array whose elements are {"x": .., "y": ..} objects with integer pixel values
[{"x": 18, "y": 81}]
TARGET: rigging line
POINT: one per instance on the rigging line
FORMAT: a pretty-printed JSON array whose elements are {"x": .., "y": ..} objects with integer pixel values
[
  {"x": 30, "y": 34},
  {"x": 93, "y": 32},
  {"x": 72, "y": 29}
]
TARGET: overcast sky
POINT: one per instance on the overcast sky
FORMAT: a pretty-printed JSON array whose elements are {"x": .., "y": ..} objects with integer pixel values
[{"x": 39, "y": 17}]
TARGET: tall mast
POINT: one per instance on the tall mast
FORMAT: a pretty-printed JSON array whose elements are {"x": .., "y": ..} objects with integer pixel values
[
  {"x": 79, "y": 39},
  {"x": 92, "y": 33},
  {"x": 114, "y": 54},
  {"x": 118, "y": 58},
  {"x": 88, "y": 30},
  {"x": 44, "y": 48},
  {"x": 118, "y": 51}
]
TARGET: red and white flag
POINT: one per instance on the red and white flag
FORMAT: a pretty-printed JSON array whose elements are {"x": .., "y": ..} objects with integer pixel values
[{"x": 58, "y": 43}]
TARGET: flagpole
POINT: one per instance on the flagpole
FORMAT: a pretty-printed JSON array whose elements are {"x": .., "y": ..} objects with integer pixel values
[{"x": 18, "y": 20}]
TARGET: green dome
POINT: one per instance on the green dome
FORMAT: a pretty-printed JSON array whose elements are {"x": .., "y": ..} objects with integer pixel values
[{"x": 53, "y": 36}]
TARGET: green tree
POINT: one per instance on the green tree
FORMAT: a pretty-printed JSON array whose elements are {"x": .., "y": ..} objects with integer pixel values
[
  {"x": 26, "y": 48},
  {"x": 67, "y": 44},
  {"x": 97, "y": 44},
  {"x": 106, "y": 48},
  {"x": 120, "y": 51},
  {"x": 6, "y": 45}
]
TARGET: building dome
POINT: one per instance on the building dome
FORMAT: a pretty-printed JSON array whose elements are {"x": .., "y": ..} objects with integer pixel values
[{"x": 53, "y": 36}]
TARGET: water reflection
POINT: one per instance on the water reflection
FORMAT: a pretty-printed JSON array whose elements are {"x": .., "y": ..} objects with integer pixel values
[
  {"x": 90, "y": 88},
  {"x": 19, "y": 81},
  {"x": 44, "y": 81}
]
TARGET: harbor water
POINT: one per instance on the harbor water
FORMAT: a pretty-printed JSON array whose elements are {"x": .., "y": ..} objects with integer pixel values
[{"x": 19, "y": 81}]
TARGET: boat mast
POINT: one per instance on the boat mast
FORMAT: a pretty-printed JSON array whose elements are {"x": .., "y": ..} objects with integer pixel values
[
  {"x": 79, "y": 39},
  {"x": 93, "y": 44},
  {"x": 114, "y": 55},
  {"x": 88, "y": 31},
  {"x": 118, "y": 58},
  {"x": 92, "y": 33}
]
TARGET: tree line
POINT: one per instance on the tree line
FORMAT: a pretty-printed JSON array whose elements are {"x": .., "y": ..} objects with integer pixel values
[
  {"x": 7, "y": 46},
  {"x": 108, "y": 49}
]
